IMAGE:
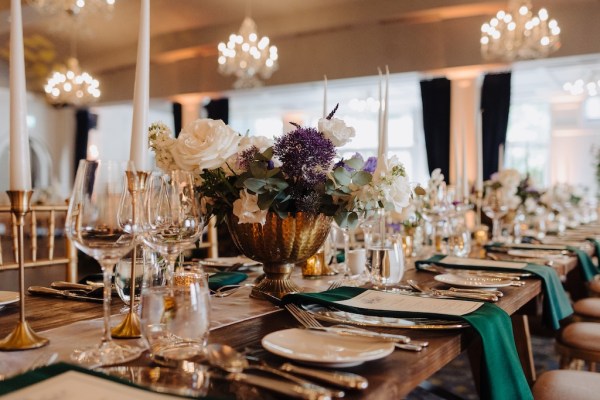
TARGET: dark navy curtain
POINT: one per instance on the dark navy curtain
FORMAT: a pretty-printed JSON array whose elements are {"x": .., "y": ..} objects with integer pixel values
[
  {"x": 218, "y": 109},
  {"x": 435, "y": 96},
  {"x": 84, "y": 121},
  {"x": 177, "y": 117},
  {"x": 495, "y": 104}
]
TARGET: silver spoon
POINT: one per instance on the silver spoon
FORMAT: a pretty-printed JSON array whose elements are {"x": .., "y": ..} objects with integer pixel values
[{"x": 228, "y": 359}]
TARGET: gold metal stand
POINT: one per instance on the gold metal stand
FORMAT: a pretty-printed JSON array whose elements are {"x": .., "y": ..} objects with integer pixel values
[
  {"x": 22, "y": 337},
  {"x": 130, "y": 326}
]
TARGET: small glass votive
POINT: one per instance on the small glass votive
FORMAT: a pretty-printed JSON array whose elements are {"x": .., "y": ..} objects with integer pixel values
[
  {"x": 481, "y": 235},
  {"x": 357, "y": 261},
  {"x": 312, "y": 268}
]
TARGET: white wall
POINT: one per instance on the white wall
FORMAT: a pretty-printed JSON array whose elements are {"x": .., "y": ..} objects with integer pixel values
[{"x": 53, "y": 128}]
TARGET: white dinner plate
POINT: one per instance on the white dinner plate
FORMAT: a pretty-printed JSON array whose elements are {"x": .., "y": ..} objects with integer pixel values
[
  {"x": 468, "y": 280},
  {"x": 325, "y": 349},
  {"x": 225, "y": 262},
  {"x": 547, "y": 254},
  {"x": 8, "y": 297}
]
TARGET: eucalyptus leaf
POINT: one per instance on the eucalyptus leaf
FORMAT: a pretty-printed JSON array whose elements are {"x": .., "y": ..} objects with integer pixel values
[
  {"x": 255, "y": 185},
  {"x": 354, "y": 163},
  {"x": 265, "y": 200},
  {"x": 342, "y": 176},
  {"x": 362, "y": 178},
  {"x": 258, "y": 169}
]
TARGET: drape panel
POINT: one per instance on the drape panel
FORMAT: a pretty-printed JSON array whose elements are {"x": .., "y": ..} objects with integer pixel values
[
  {"x": 435, "y": 96},
  {"x": 218, "y": 109},
  {"x": 177, "y": 118},
  {"x": 84, "y": 121},
  {"x": 495, "y": 105}
]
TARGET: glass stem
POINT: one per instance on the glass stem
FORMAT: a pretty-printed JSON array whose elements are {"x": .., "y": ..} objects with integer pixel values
[
  {"x": 170, "y": 269},
  {"x": 496, "y": 229},
  {"x": 107, "y": 273},
  {"x": 346, "y": 235}
]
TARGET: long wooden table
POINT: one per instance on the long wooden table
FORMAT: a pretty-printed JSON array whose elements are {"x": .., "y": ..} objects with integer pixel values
[{"x": 389, "y": 378}]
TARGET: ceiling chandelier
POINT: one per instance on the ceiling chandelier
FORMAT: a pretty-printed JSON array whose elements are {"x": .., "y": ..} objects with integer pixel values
[
  {"x": 70, "y": 86},
  {"x": 72, "y": 7},
  {"x": 589, "y": 86},
  {"x": 519, "y": 34},
  {"x": 246, "y": 56}
]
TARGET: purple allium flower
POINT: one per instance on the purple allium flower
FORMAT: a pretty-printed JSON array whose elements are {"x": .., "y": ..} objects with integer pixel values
[
  {"x": 370, "y": 164},
  {"x": 305, "y": 154},
  {"x": 246, "y": 157},
  {"x": 309, "y": 202}
]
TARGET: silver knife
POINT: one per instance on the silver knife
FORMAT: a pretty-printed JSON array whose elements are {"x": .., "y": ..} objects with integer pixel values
[
  {"x": 342, "y": 379},
  {"x": 389, "y": 337},
  {"x": 61, "y": 293}
]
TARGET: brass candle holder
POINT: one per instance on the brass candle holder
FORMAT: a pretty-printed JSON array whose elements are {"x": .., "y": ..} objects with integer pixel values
[
  {"x": 22, "y": 337},
  {"x": 481, "y": 231},
  {"x": 130, "y": 326}
]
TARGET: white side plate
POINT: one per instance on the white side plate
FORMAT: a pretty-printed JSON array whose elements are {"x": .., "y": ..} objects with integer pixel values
[
  {"x": 325, "y": 349},
  {"x": 472, "y": 281}
]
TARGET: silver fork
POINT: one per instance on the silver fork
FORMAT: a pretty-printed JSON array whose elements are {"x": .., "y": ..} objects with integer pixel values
[
  {"x": 309, "y": 322},
  {"x": 335, "y": 284}
]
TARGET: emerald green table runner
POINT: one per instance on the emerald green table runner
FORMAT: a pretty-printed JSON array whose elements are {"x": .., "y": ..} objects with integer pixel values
[
  {"x": 556, "y": 303},
  {"x": 502, "y": 376},
  {"x": 221, "y": 279},
  {"x": 596, "y": 244},
  {"x": 586, "y": 265}
]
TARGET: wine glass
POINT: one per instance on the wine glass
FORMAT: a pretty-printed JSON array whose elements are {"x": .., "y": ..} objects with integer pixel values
[
  {"x": 171, "y": 220},
  {"x": 494, "y": 206},
  {"x": 92, "y": 225}
]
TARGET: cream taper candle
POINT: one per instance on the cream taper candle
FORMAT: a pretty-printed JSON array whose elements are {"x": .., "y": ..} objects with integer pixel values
[
  {"x": 20, "y": 169},
  {"x": 500, "y": 157},
  {"x": 139, "y": 152},
  {"x": 386, "y": 112},
  {"x": 380, "y": 153},
  {"x": 324, "y": 96},
  {"x": 479, "y": 145},
  {"x": 465, "y": 181}
]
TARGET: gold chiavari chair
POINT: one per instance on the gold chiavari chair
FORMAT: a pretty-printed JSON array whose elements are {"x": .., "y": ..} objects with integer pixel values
[{"x": 43, "y": 229}]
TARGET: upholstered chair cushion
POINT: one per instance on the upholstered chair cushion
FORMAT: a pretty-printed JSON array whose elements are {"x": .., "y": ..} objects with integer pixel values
[
  {"x": 589, "y": 307},
  {"x": 582, "y": 335},
  {"x": 563, "y": 384}
]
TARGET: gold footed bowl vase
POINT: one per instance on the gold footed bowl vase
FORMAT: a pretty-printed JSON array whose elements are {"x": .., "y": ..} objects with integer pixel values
[{"x": 278, "y": 245}]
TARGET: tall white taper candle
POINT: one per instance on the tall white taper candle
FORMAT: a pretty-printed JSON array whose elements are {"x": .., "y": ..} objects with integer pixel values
[
  {"x": 479, "y": 144},
  {"x": 20, "y": 169},
  {"x": 380, "y": 119},
  {"x": 139, "y": 152},
  {"x": 455, "y": 158},
  {"x": 324, "y": 96},
  {"x": 465, "y": 180},
  {"x": 386, "y": 112}
]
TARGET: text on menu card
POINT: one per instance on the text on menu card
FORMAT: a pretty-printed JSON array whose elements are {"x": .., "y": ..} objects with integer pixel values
[
  {"x": 382, "y": 301},
  {"x": 70, "y": 386}
]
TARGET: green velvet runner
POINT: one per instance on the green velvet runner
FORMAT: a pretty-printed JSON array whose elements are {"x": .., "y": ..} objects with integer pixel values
[
  {"x": 596, "y": 244},
  {"x": 556, "y": 303},
  {"x": 502, "y": 376},
  {"x": 586, "y": 265},
  {"x": 221, "y": 279}
]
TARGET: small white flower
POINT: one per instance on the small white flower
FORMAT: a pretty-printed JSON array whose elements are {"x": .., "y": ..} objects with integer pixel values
[
  {"x": 336, "y": 130},
  {"x": 205, "y": 144},
  {"x": 247, "y": 210}
]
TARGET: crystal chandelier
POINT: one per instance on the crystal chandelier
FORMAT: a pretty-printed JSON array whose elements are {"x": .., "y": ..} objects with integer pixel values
[
  {"x": 70, "y": 86},
  {"x": 590, "y": 87},
  {"x": 519, "y": 34},
  {"x": 72, "y": 7},
  {"x": 246, "y": 56}
]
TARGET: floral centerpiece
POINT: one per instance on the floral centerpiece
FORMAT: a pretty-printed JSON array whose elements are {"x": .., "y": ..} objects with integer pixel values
[
  {"x": 261, "y": 182},
  {"x": 507, "y": 181}
]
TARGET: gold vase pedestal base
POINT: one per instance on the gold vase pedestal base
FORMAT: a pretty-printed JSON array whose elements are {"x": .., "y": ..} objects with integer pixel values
[
  {"x": 276, "y": 282},
  {"x": 129, "y": 328},
  {"x": 23, "y": 338}
]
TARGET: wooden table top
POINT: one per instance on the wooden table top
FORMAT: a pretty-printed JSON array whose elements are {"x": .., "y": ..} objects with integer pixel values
[{"x": 389, "y": 378}]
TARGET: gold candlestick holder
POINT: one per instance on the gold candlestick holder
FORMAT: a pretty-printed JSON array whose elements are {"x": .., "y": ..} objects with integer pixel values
[
  {"x": 23, "y": 337},
  {"x": 130, "y": 326}
]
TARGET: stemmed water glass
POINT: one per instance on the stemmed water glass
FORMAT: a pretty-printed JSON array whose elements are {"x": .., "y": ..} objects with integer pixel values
[
  {"x": 171, "y": 219},
  {"x": 92, "y": 225},
  {"x": 494, "y": 206},
  {"x": 385, "y": 258}
]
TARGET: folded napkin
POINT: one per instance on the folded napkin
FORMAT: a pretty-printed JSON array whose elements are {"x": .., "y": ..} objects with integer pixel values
[
  {"x": 556, "y": 303},
  {"x": 221, "y": 279},
  {"x": 501, "y": 372},
  {"x": 586, "y": 265}
]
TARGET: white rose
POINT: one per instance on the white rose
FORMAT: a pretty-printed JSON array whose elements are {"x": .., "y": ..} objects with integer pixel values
[
  {"x": 530, "y": 205},
  {"x": 398, "y": 193},
  {"x": 336, "y": 130},
  {"x": 262, "y": 143},
  {"x": 509, "y": 178},
  {"x": 247, "y": 210},
  {"x": 205, "y": 144}
]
